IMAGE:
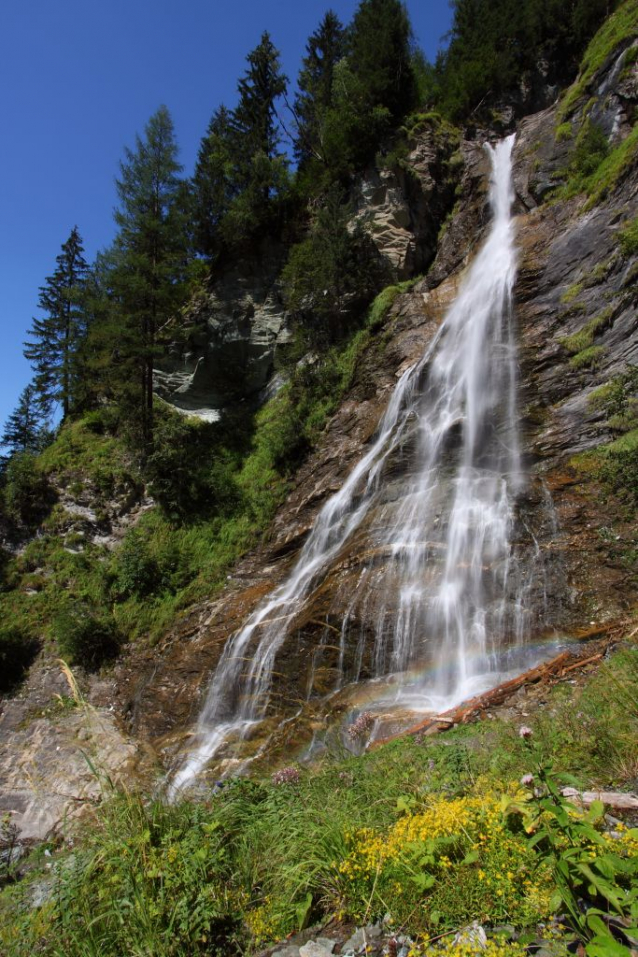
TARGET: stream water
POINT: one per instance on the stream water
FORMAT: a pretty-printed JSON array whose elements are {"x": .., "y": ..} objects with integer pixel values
[{"x": 450, "y": 598}]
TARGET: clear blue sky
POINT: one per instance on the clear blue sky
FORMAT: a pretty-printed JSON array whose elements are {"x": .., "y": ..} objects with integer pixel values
[{"x": 79, "y": 79}]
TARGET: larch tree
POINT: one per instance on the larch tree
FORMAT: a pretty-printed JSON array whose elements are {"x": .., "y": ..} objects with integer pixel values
[{"x": 150, "y": 256}]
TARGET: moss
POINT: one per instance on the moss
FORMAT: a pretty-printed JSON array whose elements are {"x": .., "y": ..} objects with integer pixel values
[
  {"x": 587, "y": 359},
  {"x": 620, "y": 27},
  {"x": 581, "y": 340}
]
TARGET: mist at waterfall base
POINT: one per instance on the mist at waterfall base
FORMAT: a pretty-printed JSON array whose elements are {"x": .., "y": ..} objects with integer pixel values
[{"x": 450, "y": 597}]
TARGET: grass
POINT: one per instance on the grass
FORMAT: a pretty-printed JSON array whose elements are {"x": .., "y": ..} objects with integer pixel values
[
  {"x": 589, "y": 358},
  {"x": 611, "y": 170},
  {"x": 628, "y": 238},
  {"x": 620, "y": 26},
  {"x": 564, "y": 132},
  {"x": 354, "y": 837},
  {"x": 580, "y": 341},
  {"x": 571, "y": 293}
]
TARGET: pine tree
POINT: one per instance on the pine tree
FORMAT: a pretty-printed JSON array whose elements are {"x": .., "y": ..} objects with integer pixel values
[
  {"x": 214, "y": 185},
  {"x": 324, "y": 50},
  {"x": 25, "y": 430},
  {"x": 150, "y": 255},
  {"x": 54, "y": 339}
]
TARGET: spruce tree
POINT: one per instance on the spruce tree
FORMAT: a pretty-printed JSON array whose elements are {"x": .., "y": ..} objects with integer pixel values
[
  {"x": 259, "y": 89},
  {"x": 324, "y": 50},
  {"x": 25, "y": 430},
  {"x": 54, "y": 339},
  {"x": 260, "y": 170},
  {"x": 380, "y": 55},
  {"x": 214, "y": 185},
  {"x": 150, "y": 255}
]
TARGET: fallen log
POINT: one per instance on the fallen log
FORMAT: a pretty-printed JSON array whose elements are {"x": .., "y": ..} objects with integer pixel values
[
  {"x": 555, "y": 669},
  {"x": 615, "y": 799}
]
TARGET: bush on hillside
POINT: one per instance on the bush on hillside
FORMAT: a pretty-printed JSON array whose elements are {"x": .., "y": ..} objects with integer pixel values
[
  {"x": 85, "y": 637},
  {"x": 17, "y": 652},
  {"x": 27, "y": 493}
]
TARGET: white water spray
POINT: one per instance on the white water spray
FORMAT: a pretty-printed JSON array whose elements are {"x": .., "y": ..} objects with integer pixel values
[{"x": 445, "y": 593}]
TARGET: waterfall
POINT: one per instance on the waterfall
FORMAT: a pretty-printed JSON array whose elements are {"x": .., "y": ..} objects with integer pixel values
[{"x": 449, "y": 586}]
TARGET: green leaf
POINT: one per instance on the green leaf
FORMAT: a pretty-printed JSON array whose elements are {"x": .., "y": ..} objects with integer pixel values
[
  {"x": 405, "y": 802},
  {"x": 423, "y": 881},
  {"x": 302, "y": 910},
  {"x": 595, "y": 813},
  {"x": 606, "y": 947}
]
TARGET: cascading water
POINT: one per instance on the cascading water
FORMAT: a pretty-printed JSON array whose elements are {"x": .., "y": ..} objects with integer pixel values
[{"x": 442, "y": 579}]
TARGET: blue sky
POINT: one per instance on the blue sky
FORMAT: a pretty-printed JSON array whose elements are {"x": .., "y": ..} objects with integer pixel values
[{"x": 79, "y": 79}]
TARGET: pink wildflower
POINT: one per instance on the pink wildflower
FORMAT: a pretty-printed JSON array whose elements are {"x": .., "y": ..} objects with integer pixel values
[
  {"x": 361, "y": 726},
  {"x": 524, "y": 732},
  {"x": 288, "y": 775},
  {"x": 527, "y": 779}
]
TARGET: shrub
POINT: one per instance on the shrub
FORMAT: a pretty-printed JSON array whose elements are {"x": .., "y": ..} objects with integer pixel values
[
  {"x": 187, "y": 472},
  {"x": 27, "y": 493},
  {"x": 589, "y": 151},
  {"x": 137, "y": 571},
  {"x": 619, "y": 467},
  {"x": 84, "y": 637},
  {"x": 445, "y": 865},
  {"x": 17, "y": 651}
]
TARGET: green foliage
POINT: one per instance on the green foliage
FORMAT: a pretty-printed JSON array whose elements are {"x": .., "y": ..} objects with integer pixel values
[
  {"x": 616, "y": 29},
  {"x": 85, "y": 637},
  {"x": 149, "y": 266},
  {"x": 493, "y": 43},
  {"x": 571, "y": 293},
  {"x": 612, "y": 169},
  {"x": 618, "y": 399},
  {"x": 17, "y": 651},
  {"x": 379, "y": 50},
  {"x": 27, "y": 495},
  {"x": 590, "y": 149},
  {"x": 589, "y": 358},
  {"x": 186, "y": 474},
  {"x": 564, "y": 132},
  {"x": 583, "y": 339},
  {"x": 619, "y": 467},
  {"x": 324, "y": 49},
  {"x": 628, "y": 238},
  {"x": 26, "y": 429},
  {"x": 214, "y": 187},
  {"x": 331, "y": 274},
  {"x": 54, "y": 343},
  {"x": 594, "y": 879}
]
